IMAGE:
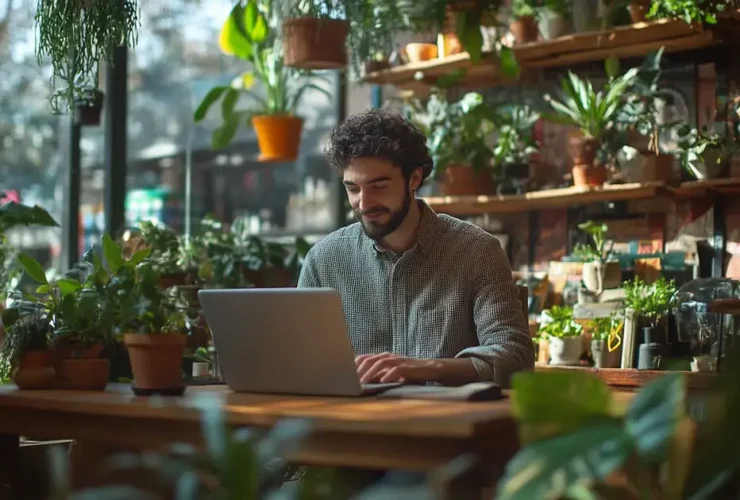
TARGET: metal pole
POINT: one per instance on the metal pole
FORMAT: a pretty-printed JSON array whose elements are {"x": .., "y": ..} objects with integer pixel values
[
  {"x": 71, "y": 218},
  {"x": 115, "y": 141}
]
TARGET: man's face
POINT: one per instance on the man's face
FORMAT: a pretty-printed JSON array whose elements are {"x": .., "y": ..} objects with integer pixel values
[{"x": 379, "y": 195}]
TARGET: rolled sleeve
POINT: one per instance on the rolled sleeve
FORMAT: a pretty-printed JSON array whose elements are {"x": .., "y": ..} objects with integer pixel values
[{"x": 505, "y": 346}]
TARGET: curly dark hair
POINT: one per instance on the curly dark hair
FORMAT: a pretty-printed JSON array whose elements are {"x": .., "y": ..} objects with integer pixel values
[{"x": 379, "y": 134}]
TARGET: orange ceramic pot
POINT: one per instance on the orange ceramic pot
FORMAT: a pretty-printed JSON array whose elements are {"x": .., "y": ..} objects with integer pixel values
[
  {"x": 417, "y": 52},
  {"x": 278, "y": 136},
  {"x": 589, "y": 176}
]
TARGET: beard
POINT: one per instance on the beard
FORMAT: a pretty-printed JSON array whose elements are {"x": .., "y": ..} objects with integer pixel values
[{"x": 378, "y": 230}]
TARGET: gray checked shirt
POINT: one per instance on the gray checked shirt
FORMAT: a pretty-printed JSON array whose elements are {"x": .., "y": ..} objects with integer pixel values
[{"x": 450, "y": 295}]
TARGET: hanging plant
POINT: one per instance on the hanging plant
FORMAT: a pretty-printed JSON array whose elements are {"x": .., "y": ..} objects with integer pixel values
[{"x": 76, "y": 35}]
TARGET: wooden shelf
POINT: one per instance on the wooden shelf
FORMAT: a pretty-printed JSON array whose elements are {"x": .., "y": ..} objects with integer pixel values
[
  {"x": 573, "y": 196},
  {"x": 538, "y": 200},
  {"x": 624, "y": 41},
  {"x": 634, "y": 379}
]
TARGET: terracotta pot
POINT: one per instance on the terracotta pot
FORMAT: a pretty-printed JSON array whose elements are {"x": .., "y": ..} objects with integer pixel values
[
  {"x": 417, "y": 52},
  {"x": 462, "y": 180},
  {"x": 657, "y": 168},
  {"x": 34, "y": 371},
  {"x": 565, "y": 351},
  {"x": 83, "y": 374},
  {"x": 278, "y": 136},
  {"x": 638, "y": 10},
  {"x": 589, "y": 176},
  {"x": 524, "y": 29},
  {"x": 269, "y": 277},
  {"x": 582, "y": 150},
  {"x": 310, "y": 43},
  {"x": 156, "y": 360}
]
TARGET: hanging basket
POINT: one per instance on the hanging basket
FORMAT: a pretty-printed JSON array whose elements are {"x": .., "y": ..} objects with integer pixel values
[
  {"x": 310, "y": 43},
  {"x": 278, "y": 136}
]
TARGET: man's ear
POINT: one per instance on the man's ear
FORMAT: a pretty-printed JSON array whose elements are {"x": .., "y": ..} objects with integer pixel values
[{"x": 415, "y": 179}]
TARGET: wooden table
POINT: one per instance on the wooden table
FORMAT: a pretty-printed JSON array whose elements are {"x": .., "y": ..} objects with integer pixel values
[{"x": 411, "y": 435}]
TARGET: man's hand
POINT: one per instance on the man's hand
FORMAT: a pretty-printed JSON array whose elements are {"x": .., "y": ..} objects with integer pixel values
[{"x": 391, "y": 368}]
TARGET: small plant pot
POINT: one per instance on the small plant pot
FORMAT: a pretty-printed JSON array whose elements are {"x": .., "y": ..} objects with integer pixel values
[
  {"x": 589, "y": 177},
  {"x": 582, "y": 150},
  {"x": 711, "y": 168},
  {"x": 658, "y": 168},
  {"x": 35, "y": 371},
  {"x": 543, "y": 353},
  {"x": 88, "y": 374},
  {"x": 565, "y": 351},
  {"x": 553, "y": 25},
  {"x": 87, "y": 111},
  {"x": 278, "y": 137},
  {"x": 524, "y": 29},
  {"x": 373, "y": 66},
  {"x": 462, "y": 180},
  {"x": 311, "y": 43},
  {"x": 638, "y": 10},
  {"x": 603, "y": 358},
  {"x": 417, "y": 52},
  {"x": 598, "y": 277},
  {"x": 156, "y": 361}
]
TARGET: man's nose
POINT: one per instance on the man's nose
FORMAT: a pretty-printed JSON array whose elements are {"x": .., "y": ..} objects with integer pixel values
[{"x": 366, "y": 201}]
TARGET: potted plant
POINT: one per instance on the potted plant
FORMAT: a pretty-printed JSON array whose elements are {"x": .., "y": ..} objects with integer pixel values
[
  {"x": 599, "y": 272},
  {"x": 168, "y": 254},
  {"x": 704, "y": 153},
  {"x": 652, "y": 303},
  {"x": 81, "y": 319},
  {"x": 524, "y": 26},
  {"x": 691, "y": 11},
  {"x": 554, "y": 19},
  {"x": 564, "y": 336},
  {"x": 639, "y": 10},
  {"x": 515, "y": 145},
  {"x": 593, "y": 112},
  {"x": 315, "y": 34},
  {"x": 76, "y": 36},
  {"x": 153, "y": 322},
  {"x": 640, "y": 120},
  {"x": 270, "y": 265},
  {"x": 606, "y": 342},
  {"x": 26, "y": 351},
  {"x": 456, "y": 136},
  {"x": 246, "y": 35}
]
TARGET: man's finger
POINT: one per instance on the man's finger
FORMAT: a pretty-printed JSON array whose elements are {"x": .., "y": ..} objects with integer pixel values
[
  {"x": 379, "y": 366},
  {"x": 369, "y": 361},
  {"x": 395, "y": 374}
]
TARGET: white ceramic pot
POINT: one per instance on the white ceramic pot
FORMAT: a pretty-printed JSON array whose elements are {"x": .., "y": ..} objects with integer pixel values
[
  {"x": 598, "y": 277},
  {"x": 565, "y": 351},
  {"x": 710, "y": 168},
  {"x": 552, "y": 25}
]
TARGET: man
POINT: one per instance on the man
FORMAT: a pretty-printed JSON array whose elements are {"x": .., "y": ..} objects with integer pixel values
[{"x": 427, "y": 297}]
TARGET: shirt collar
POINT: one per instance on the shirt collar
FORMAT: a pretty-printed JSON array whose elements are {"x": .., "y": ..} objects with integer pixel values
[{"x": 428, "y": 225}]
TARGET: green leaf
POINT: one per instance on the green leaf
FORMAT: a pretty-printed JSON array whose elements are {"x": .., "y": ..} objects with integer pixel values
[
  {"x": 223, "y": 135},
  {"x": 139, "y": 256},
  {"x": 611, "y": 66},
  {"x": 554, "y": 403},
  {"x": 233, "y": 40},
  {"x": 43, "y": 289},
  {"x": 228, "y": 102},
  {"x": 254, "y": 23},
  {"x": 113, "y": 254},
  {"x": 33, "y": 268},
  {"x": 211, "y": 97},
  {"x": 547, "y": 469},
  {"x": 469, "y": 32},
  {"x": 508, "y": 63},
  {"x": 68, "y": 286},
  {"x": 654, "y": 414}
]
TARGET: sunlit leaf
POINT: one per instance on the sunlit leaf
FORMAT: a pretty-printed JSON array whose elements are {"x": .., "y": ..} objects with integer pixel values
[
  {"x": 233, "y": 40},
  {"x": 547, "y": 469},
  {"x": 68, "y": 286},
  {"x": 113, "y": 253},
  {"x": 654, "y": 414},
  {"x": 33, "y": 268},
  {"x": 139, "y": 256}
]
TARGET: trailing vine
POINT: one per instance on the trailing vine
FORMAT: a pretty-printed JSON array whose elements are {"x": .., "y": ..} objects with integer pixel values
[{"x": 76, "y": 35}]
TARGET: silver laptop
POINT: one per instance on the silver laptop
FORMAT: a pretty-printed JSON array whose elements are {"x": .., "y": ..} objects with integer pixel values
[{"x": 284, "y": 341}]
